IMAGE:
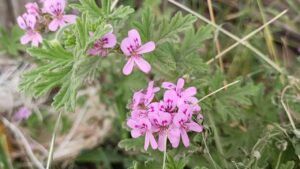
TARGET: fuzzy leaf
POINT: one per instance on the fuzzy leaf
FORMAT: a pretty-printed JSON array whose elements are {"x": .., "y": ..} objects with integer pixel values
[
  {"x": 288, "y": 165},
  {"x": 173, "y": 163},
  {"x": 50, "y": 51},
  {"x": 168, "y": 29},
  {"x": 132, "y": 144}
]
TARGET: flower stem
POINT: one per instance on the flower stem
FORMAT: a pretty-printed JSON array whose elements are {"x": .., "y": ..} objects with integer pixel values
[
  {"x": 217, "y": 138},
  {"x": 218, "y": 90},
  {"x": 165, "y": 154}
]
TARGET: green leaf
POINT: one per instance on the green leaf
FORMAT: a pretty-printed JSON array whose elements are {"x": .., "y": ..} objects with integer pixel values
[
  {"x": 228, "y": 103},
  {"x": 10, "y": 40},
  {"x": 82, "y": 32},
  {"x": 287, "y": 165},
  {"x": 136, "y": 144},
  {"x": 88, "y": 6},
  {"x": 193, "y": 40},
  {"x": 120, "y": 13},
  {"x": 50, "y": 51},
  {"x": 146, "y": 26},
  {"x": 173, "y": 163},
  {"x": 168, "y": 29}
]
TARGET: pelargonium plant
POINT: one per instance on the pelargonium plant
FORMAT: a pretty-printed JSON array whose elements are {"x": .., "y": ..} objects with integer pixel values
[{"x": 79, "y": 44}]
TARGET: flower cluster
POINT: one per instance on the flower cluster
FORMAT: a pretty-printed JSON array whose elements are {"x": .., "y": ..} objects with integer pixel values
[
  {"x": 35, "y": 19},
  {"x": 170, "y": 118}
]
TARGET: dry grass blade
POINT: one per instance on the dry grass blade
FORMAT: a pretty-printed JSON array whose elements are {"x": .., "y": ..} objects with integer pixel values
[
  {"x": 248, "y": 45},
  {"x": 247, "y": 37},
  {"x": 25, "y": 143},
  {"x": 285, "y": 107},
  {"x": 51, "y": 150},
  {"x": 218, "y": 90}
]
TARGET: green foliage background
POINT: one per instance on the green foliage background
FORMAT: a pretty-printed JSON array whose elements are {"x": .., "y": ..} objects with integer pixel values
[{"x": 245, "y": 125}]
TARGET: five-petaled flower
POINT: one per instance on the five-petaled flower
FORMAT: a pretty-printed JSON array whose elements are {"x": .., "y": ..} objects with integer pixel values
[
  {"x": 101, "y": 46},
  {"x": 56, "y": 9},
  {"x": 27, "y": 22},
  {"x": 132, "y": 47}
]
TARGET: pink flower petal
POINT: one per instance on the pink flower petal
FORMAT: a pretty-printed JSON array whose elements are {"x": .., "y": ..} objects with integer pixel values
[
  {"x": 134, "y": 38},
  {"x": 127, "y": 69},
  {"x": 125, "y": 46},
  {"x": 194, "y": 127},
  {"x": 143, "y": 64},
  {"x": 31, "y": 21},
  {"x": 71, "y": 19},
  {"x": 168, "y": 85},
  {"x": 111, "y": 40},
  {"x": 36, "y": 39},
  {"x": 21, "y": 23},
  {"x": 25, "y": 39},
  {"x": 165, "y": 118},
  {"x": 131, "y": 123},
  {"x": 93, "y": 51},
  {"x": 135, "y": 133},
  {"x": 55, "y": 24},
  {"x": 146, "y": 48},
  {"x": 189, "y": 92},
  {"x": 152, "y": 141},
  {"x": 161, "y": 141},
  {"x": 174, "y": 137},
  {"x": 185, "y": 138},
  {"x": 180, "y": 84},
  {"x": 147, "y": 141},
  {"x": 55, "y": 7},
  {"x": 186, "y": 110},
  {"x": 170, "y": 98}
]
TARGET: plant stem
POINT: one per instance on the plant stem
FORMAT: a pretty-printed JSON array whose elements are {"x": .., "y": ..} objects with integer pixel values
[
  {"x": 212, "y": 160},
  {"x": 217, "y": 138},
  {"x": 51, "y": 150},
  {"x": 218, "y": 90},
  {"x": 165, "y": 154},
  {"x": 217, "y": 42},
  {"x": 285, "y": 107},
  {"x": 278, "y": 160}
]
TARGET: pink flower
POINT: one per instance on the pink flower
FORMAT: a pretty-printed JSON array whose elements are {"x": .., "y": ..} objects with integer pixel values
[
  {"x": 143, "y": 98},
  {"x": 33, "y": 8},
  {"x": 183, "y": 94},
  {"x": 56, "y": 9},
  {"x": 102, "y": 45},
  {"x": 132, "y": 47},
  {"x": 169, "y": 102},
  {"x": 161, "y": 123},
  {"x": 142, "y": 127},
  {"x": 183, "y": 124},
  {"x": 27, "y": 22},
  {"x": 22, "y": 114}
]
